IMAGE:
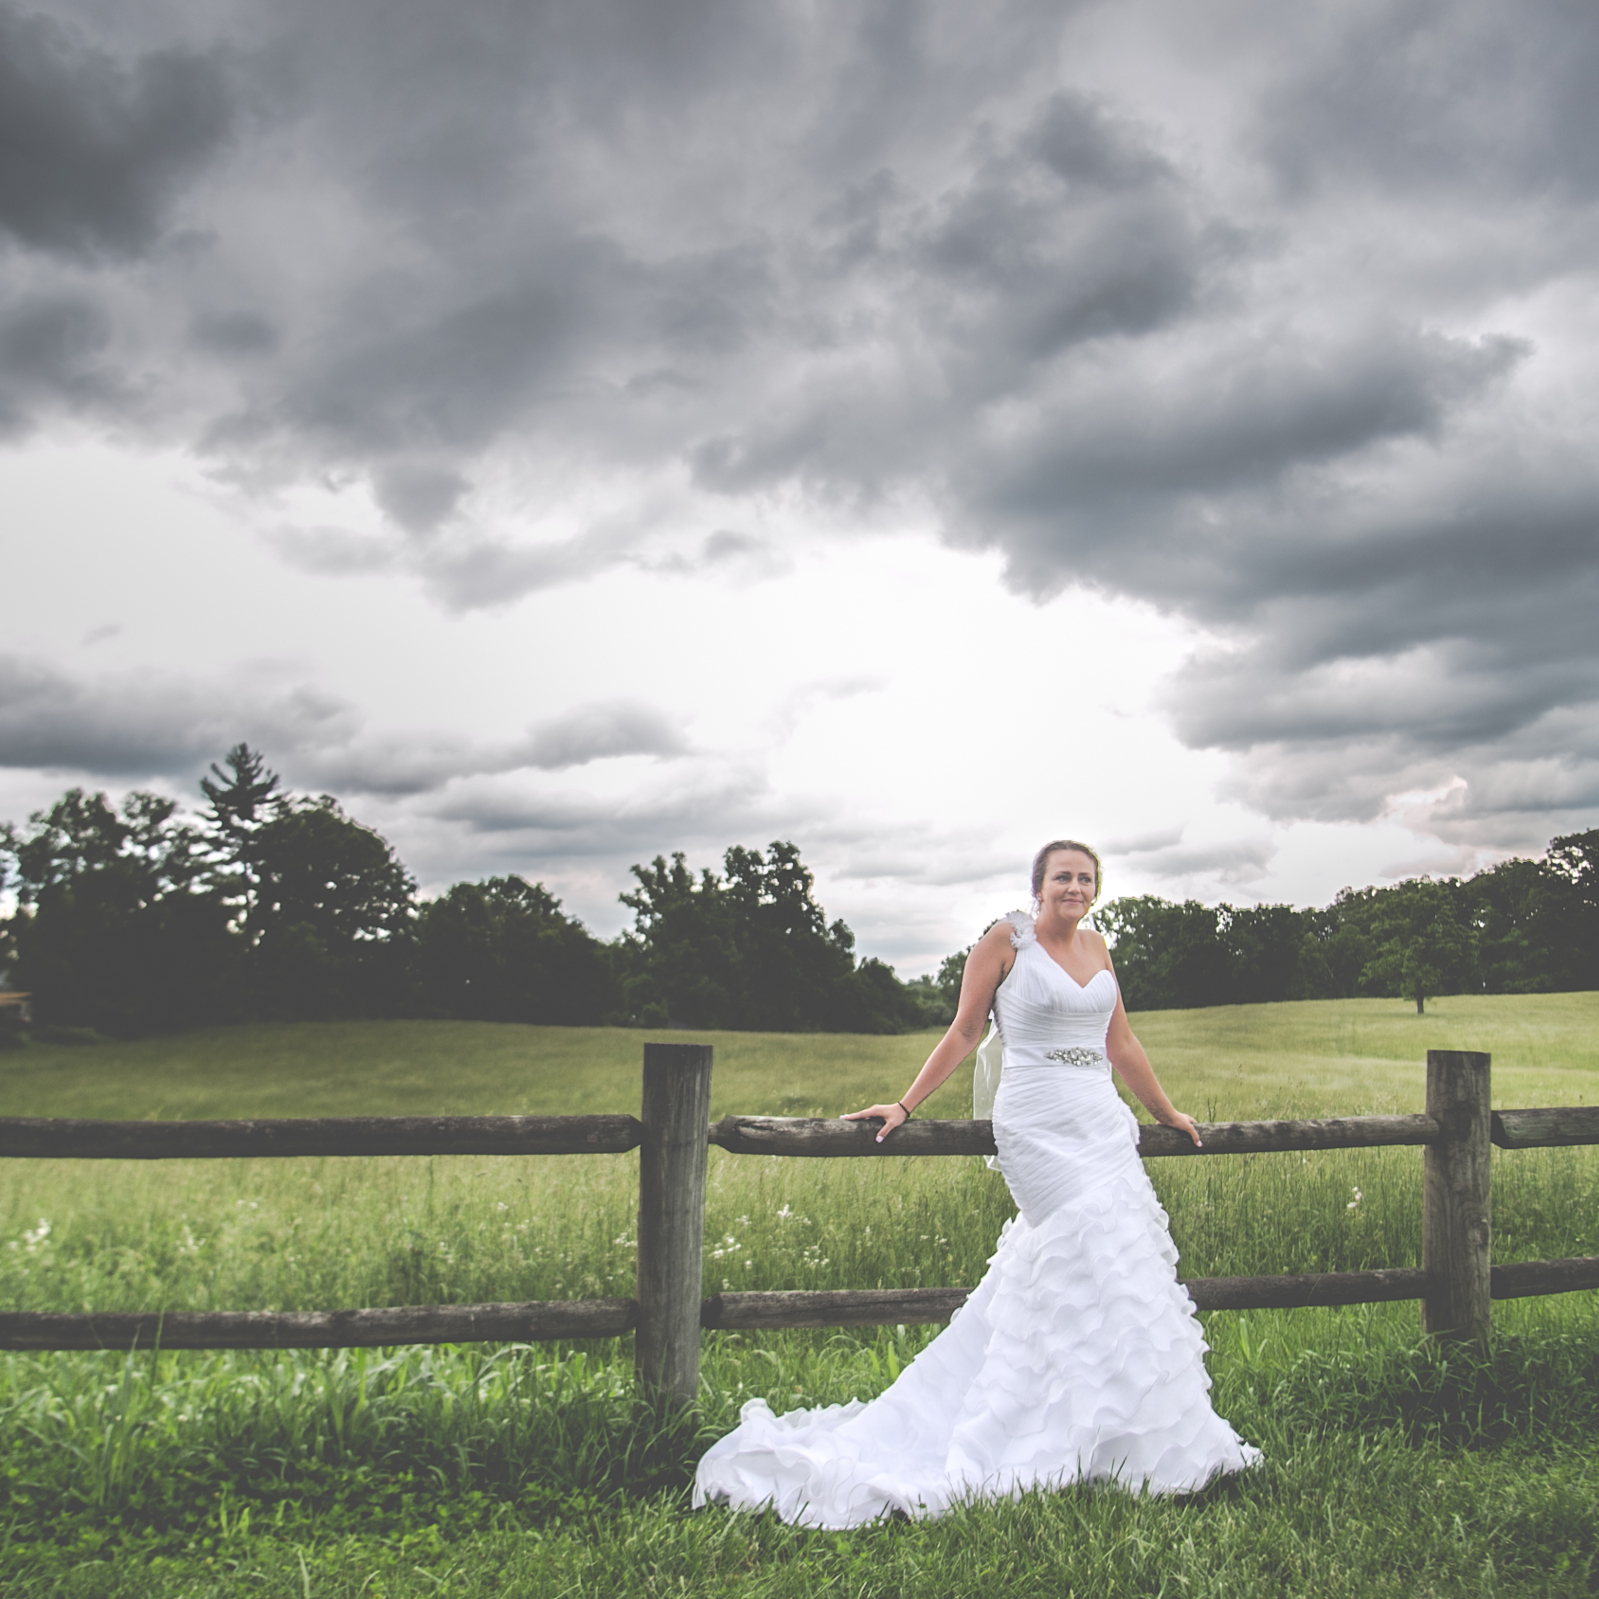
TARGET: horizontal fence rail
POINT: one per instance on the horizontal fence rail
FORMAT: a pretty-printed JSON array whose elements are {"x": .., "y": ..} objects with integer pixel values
[
  {"x": 537, "y": 1319},
  {"x": 1455, "y": 1282},
  {"x": 814, "y": 1136},
  {"x": 66, "y": 1139},
  {"x": 1546, "y": 1129}
]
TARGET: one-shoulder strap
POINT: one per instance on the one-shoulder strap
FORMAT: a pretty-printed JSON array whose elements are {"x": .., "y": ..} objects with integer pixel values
[{"x": 1022, "y": 929}]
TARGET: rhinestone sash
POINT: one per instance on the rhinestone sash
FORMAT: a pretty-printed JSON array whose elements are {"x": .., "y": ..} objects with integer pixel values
[{"x": 1077, "y": 1056}]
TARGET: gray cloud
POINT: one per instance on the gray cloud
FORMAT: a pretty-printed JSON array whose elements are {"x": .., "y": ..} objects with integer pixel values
[
  {"x": 153, "y": 725},
  {"x": 1437, "y": 93},
  {"x": 1163, "y": 856},
  {"x": 1141, "y": 843},
  {"x": 595, "y": 732},
  {"x": 418, "y": 496},
  {"x": 93, "y": 147},
  {"x": 52, "y": 353},
  {"x": 147, "y": 725},
  {"x": 1242, "y": 332},
  {"x": 425, "y": 764}
]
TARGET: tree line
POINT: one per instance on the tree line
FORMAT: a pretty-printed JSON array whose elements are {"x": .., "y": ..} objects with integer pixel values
[
  {"x": 269, "y": 905},
  {"x": 1521, "y": 927}
]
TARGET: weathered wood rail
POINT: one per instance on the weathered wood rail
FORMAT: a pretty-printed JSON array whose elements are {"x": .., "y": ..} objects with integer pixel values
[
  {"x": 62, "y": 1138},
  {"x": 1455, "y": 1283}
]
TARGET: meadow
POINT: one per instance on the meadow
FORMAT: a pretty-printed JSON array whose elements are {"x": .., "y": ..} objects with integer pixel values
[{"x": 1393, "y": 1467}]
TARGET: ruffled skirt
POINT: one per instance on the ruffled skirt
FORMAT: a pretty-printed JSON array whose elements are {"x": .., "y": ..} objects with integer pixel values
[{"x": 1077, "y": 1358}]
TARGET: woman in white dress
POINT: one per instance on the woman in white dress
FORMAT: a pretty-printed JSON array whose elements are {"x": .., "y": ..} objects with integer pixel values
[{"x": 1078, "y": 1356}]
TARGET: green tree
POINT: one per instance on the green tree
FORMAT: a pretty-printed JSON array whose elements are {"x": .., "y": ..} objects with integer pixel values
[
  {"x": 240, "y": 800},
  {"x": 1573, "y": 864},
  {"x": 680, "y": 958},
  {"x": 1332, "y": 953},
  {"x": 1423, "y": 942},
  {"x": 796, "y": 973},
  {"x": 503, "y": 950},
  {"x": 333, "y": 913},
  {"x": 937, "y": 994},
  {"x": 1168, "y": 956},
  {"x": 751, "y": 949},
  {"x": 1520, "y": 909},
  {"x": 120, "y": 924},
  {"x": 1263, "y": 949}
]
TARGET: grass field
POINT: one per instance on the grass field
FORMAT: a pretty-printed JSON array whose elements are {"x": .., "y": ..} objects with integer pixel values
[{"x": 1391, "y": 1469}]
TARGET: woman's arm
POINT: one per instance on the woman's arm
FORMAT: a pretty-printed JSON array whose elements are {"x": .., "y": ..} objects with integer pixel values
[
  {"x": 986, "y": 967},
  {"x": 1127, "y": 1055}
]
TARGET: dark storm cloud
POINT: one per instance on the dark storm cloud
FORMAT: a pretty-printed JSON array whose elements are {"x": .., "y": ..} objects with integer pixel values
[
  {"x": 152, "y": 725},
  {"x": 147, "y": 725},
  {"x": 1252, "y": 322},
  {"x": 92, "y": 146}
]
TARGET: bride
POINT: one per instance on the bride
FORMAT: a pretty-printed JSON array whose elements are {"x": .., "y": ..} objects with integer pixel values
[{"x": 1078, "y": 1356}]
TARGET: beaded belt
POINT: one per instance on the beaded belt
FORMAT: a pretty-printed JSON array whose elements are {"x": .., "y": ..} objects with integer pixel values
[{"x": 1077, "y": 1056}]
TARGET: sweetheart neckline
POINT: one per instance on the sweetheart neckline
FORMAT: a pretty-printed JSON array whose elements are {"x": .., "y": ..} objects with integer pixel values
[{"x": 1104, "y": 971}]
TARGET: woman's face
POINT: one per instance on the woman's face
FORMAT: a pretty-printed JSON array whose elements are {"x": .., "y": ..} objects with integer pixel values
[{"x": 1070, "y": 882}]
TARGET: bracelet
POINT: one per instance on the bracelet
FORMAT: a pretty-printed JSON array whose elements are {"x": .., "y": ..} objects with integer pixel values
[{"x": 904, "y": 1107}]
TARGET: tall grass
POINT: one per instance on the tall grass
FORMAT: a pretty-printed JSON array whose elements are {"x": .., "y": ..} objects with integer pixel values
[
  {"x": 321, "y": 1234},
  {"x": 1393, "y": 1467}
]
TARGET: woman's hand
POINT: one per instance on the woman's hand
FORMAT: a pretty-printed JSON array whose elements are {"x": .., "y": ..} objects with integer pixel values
[
  {"x": 1184, "y": 1124},
  {"x": 891, "y": 1116}
]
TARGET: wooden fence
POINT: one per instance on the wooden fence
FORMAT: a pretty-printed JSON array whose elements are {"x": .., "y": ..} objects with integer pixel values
[{"x": 1455, "y": 1283}]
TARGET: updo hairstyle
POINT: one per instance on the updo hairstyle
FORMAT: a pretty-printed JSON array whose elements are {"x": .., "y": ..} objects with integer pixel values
[{"x": 1041, "y": 863}]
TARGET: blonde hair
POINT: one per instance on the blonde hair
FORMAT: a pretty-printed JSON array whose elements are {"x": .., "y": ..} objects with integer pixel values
[{"x": 1041, "y": 863}]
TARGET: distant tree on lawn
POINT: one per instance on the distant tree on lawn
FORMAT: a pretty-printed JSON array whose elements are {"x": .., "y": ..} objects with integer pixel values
[{"x": 1422, "y": 942}]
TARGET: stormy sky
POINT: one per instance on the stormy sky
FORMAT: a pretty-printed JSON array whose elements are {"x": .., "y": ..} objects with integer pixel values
[{"x": 578, "y": 430}]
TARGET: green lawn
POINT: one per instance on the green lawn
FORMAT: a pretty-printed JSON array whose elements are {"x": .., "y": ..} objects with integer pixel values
[
  {"x": 1390, "y": 1470},
  {"x": 1332, "y": 1055}
]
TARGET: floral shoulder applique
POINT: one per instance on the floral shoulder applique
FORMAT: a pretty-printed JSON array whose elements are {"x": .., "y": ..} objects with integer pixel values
[{"x": 1022, "y": 931}]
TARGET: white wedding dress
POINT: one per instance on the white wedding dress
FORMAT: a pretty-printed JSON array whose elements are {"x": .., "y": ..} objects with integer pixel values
[{"x": 1078, "y": 1356}]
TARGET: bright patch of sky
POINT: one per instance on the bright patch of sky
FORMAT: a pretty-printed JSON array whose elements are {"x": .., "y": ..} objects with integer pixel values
[{"x": 886, "y": 701}]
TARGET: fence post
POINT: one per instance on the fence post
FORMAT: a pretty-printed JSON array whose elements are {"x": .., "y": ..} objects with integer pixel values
[
  {"x": 671, "y": 1220},
  {"x": 1455, "y": 1207}
]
